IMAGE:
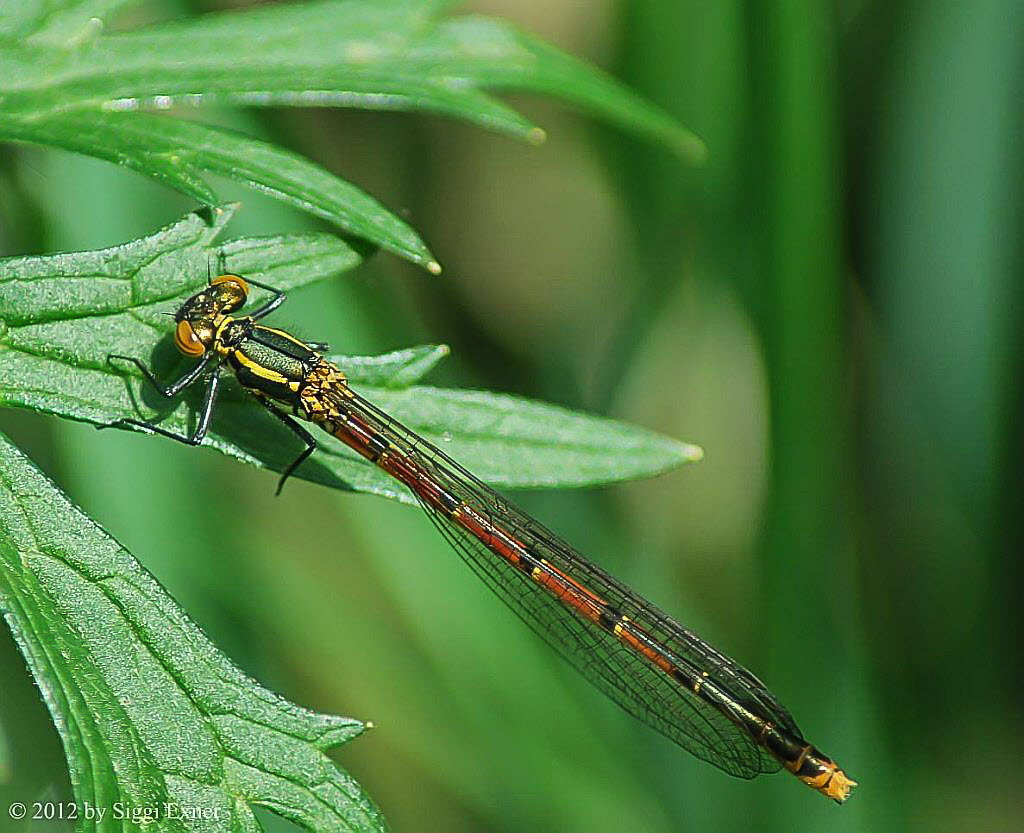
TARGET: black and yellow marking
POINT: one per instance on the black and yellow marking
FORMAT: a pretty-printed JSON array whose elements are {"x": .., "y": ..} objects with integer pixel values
[{"x": 698, "y": 683}]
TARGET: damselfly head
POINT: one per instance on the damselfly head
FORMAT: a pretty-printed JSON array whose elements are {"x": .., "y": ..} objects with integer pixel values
[{"x": 200, "y": 315}]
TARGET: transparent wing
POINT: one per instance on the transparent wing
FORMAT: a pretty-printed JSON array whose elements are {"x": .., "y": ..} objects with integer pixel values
[{"x": 638, "y": 686}]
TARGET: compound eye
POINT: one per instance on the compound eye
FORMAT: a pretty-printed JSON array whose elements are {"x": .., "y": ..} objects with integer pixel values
[
  {"x": 186, "y": 340},
  {"x": 236, "y": 279}
]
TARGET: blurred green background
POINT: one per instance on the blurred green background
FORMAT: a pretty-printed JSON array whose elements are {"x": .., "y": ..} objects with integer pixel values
[{"x": 827, "y": 306}]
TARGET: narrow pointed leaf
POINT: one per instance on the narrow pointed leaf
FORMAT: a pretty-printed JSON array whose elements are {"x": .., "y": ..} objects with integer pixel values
[
  {"x": 392, "y": 54},
  {"x": 181, "y": 154},
  {"x": 398, "y": 369},
  {"x": 65, "y": 314},
  {"x": 71, "y": 86}
]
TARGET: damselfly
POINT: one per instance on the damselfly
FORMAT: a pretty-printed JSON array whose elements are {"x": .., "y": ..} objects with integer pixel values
[{"x": 648, "y": 663}]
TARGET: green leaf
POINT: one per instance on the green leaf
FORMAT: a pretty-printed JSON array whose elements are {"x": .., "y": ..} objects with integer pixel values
[
  {"x": 490, "y": 54},
  {"x": 180, "y": 153},
  {"x": 365, "y": 53},
  {"x": 507, "y": 441},
  {"x": 65, "y": 314},
  {"x": 398, "y": 369},
  {"x": 62, "y": 315},
  {"x": 50, "y": 290},
  {"x": 384, "y": 54},
  {"x": 150, "y": 713},
  {"x": 513, "y": 442}
]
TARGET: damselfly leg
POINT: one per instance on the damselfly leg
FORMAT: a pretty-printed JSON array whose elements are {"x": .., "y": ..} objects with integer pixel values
[
  {"x": 209, "y": 365},
  {"x": 299, "y": 432}
]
